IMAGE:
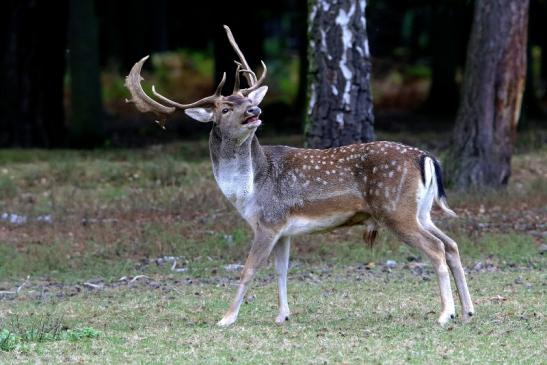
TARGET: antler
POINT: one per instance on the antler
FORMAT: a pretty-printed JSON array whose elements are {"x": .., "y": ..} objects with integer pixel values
[
  {"x": 243, "y": 67},
  {"x": 145, "y": 103}
]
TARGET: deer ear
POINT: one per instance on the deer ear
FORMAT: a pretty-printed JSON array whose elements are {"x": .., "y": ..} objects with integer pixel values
[
  {"x": 203, "y": 115},
  {"x": 257, "y": 95}
]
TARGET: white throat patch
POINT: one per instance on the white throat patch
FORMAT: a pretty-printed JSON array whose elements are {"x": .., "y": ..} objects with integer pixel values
[{"x": 235, "y": 178}]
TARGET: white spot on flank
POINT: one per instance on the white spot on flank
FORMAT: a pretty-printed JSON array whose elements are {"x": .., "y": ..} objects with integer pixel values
[{"x": 391, "y": 173}]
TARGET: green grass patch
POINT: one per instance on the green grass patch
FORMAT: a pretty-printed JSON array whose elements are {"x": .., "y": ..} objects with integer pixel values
[{"x": 345, "y": 317}]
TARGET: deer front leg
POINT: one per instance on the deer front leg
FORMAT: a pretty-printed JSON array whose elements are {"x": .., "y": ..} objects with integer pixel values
[
  {"x": 281, "y": 253},
  {"x": 262, "y": 247}
]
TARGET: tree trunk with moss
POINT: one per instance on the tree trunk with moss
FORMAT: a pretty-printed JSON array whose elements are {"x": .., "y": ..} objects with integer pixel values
[
  {"x": 492, "y": 94},
  {"x": 339, "y": 94}
]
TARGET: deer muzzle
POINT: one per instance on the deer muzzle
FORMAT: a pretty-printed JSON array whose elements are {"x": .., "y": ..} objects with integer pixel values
[{"x": 252, "y": 115}]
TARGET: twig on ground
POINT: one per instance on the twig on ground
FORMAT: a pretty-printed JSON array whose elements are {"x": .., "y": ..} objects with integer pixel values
[
  {"x": 94, "y": 286},
  {"x": 137, "y": 278},
  {"x": 22, "y": 285},
  {"x": 16, "y": 291},
  {"x": 174, "y": 267}
]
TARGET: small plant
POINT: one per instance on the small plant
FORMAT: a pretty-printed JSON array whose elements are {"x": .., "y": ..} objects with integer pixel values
[
  {"x": 8, "y": 341},
  {"x": 38, "y": 329},
  {"x": 81, "y": 333}
]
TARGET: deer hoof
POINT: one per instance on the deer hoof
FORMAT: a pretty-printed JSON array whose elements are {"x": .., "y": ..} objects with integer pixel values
[
  {"x": 281, "y": 319},
  {"x": 445, "y": 318},
  {"x": 226, "y": 321},
  {"x": 467, "y": 316}
]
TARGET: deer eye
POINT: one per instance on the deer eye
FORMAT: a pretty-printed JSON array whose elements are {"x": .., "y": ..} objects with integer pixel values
[{"x": 225, "y": 110}]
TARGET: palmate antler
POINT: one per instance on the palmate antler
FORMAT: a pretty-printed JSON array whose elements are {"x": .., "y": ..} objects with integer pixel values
[{"x": 145, "y": 103}]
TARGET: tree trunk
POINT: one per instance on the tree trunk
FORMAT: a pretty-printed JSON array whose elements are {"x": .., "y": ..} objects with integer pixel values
[
  {"x": 86, "y": 119},
  {"x": 340, "y": 99},
  {"x": 494, "y": 82},
  {"x": 32, "y": 64}
]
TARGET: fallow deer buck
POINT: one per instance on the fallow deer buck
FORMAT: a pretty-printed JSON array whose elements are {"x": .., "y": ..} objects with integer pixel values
[{"x": 284, "y": 191}]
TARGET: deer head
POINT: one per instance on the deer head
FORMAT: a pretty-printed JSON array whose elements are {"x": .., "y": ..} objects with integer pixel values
[{"x": 236, "y": 116}]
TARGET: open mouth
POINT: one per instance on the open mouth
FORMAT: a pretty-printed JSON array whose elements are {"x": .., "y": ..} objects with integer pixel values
[{"x": 251, "y": 120}]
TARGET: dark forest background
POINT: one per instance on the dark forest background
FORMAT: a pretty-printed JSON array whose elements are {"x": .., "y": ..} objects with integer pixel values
[{"x": 63, "y": 64}]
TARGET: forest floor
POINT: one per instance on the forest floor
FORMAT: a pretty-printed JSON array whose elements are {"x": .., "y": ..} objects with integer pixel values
[{"x": 131, "y": 256}]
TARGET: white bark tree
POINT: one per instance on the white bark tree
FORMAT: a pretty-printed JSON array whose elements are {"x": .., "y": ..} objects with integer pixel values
[{"x": 340, "y": 99}]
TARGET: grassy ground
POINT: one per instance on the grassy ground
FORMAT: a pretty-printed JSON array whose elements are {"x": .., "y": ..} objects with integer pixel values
[{"x": 99, "y": 234}]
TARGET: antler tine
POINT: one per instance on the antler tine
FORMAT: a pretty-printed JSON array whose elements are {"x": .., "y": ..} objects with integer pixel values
[
  {"x": 257, "y": 83},
  {"x": 218, "y": 91},
  {"x": 236, "y": 81},
  {"x": 251, "y": 77},
  {"x": 143, "y": 102},
  {"x": 207, "y": 100}
]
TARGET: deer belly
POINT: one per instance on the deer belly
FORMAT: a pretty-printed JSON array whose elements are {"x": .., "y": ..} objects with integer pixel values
[{"x": 302, "y": 225}]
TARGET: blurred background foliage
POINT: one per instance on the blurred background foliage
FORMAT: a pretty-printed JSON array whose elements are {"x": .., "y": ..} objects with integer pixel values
[{"x": 418, "y": 49}]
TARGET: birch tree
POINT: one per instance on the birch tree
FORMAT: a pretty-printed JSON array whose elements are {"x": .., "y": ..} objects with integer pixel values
[{"x": 340, "y": 101}]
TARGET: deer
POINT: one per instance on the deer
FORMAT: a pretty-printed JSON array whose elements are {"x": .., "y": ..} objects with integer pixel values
[{"x": 283, "y": 191}]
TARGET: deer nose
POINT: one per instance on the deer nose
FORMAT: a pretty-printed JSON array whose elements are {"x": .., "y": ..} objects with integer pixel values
[{"x": 254, "y": 110}]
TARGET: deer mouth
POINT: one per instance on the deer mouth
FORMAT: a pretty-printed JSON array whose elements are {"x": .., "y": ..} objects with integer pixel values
[{"x": 251, "y": 121}]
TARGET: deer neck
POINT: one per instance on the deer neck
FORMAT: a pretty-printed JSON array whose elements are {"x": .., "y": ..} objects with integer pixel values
[{"x": 236, "y": 166}]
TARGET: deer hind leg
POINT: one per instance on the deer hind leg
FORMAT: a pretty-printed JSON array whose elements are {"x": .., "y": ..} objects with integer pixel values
[
  {"x": 414, "y": 235},
  {"x": 260, "y": 250},
  {"x": 455, "y": 264},
  {"x": 281, "y": 255}
]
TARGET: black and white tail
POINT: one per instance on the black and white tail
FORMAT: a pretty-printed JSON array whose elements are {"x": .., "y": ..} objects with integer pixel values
[{"x": 432, "y": 177}]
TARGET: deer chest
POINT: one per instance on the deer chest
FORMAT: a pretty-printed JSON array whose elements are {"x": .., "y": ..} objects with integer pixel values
[{"x": 236, "y": 181}]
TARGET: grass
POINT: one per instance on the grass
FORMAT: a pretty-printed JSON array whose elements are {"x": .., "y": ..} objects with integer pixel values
[
  {"x": 115, "y": 212},
  {"x": 347, "y": 316}
]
